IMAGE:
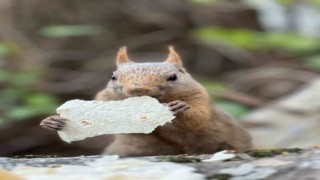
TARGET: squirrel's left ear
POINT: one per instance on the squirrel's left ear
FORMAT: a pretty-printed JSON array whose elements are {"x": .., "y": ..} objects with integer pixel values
[
  {"x": 174, "y": 57},
  {"x": 122, "y": 56}
]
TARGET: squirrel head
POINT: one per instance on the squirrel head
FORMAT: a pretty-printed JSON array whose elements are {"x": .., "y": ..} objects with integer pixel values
[{"x": 157, "y": 80}]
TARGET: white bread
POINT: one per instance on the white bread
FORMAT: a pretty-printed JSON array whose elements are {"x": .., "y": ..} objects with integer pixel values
[{"x": 92, "y": 118}]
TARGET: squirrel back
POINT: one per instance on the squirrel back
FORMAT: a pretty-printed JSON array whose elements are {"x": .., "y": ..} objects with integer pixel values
[{"x": 198, "y": 127}]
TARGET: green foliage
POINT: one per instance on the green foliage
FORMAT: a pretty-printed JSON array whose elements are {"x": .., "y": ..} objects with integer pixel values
[
  {"x": 20, "y": 113},
  {"x": 39, "y": 100},
  {"x": 313, "y": 62},
  {"x": 213, "y": 86},
  {"x": 257, "y": 41},
  {"x": 289, "y": 2},
  {"x": 70, "y": 30},
  {"x": 23, "y": 79},
  {"x": 204, "y": 1},
  {"x": 5, "y": 76},
  {"x": 18, "y": 101},
  {"x": 239, "y": 38},
  {"x": 289, "y": 42},
  {"x": 4, "y": 49},
  {"x": 235, "y": 109},
  {"x": 315, "y": 2}
]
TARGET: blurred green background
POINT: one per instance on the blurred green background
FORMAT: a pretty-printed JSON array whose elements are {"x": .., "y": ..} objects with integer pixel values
[{"x": 247, "y": 53}]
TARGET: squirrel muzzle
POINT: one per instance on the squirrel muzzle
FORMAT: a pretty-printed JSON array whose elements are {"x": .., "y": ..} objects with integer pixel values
[{"x": 142, "y": 91}]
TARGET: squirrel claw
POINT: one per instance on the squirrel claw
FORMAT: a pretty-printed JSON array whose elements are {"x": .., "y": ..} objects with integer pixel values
[
  {"x": 54, "y": 123},
  {"x": 178, "y": 106}
]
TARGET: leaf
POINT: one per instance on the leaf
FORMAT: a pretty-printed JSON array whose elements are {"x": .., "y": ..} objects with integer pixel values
[
  {"x": 4, "y": 49},
  {"x": 233, "y": 37},
  {"x": 313, "y": 62},
  {"x": 236, "y": 109},
  {"x": 5, "y": 76},
  {"x": 290, "y": 42},
  {"x": 20, "y": 113},
  {"x": 18, "y": 102},
  {"x": 315, "y": 2},
  {"x": 10, "y": 96},
  {"x": 70, "y": 30},
  {"x": 40, "y": 100},
  {"x": 24, "y": 78},
  {"x": 213, "y": 85},
  {"x": 18, "y": 78},
  {"x": 259, "y": 41},
  {"x": 285, "y": 2},
  {"x": 204, "y": 1},
  {"x": 1, "y": 120}
]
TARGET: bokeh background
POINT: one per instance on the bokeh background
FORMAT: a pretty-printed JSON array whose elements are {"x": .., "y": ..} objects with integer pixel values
[{"x": 247, "y": 53}]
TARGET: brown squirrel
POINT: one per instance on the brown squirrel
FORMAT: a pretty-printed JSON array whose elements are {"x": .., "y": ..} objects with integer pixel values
[{"x": 199, "y": 128}]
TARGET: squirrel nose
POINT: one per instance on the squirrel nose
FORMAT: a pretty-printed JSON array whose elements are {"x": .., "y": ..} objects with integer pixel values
[{"x": 137, "y": 89}]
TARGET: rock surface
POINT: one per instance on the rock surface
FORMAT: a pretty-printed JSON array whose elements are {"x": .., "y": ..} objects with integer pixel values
[{"x": 258, "y": 164}]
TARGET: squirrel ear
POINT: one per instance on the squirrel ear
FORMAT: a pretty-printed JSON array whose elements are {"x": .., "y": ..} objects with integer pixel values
[
  {"x": 122, "y": 56},
  {"x": 174, "y": 57}
]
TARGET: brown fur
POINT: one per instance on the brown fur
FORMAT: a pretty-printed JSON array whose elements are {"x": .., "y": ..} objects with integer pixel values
[{"x": 198, "y": 130}]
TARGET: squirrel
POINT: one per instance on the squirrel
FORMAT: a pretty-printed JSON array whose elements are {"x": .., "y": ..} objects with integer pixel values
[{"x": 198, "y": 128}]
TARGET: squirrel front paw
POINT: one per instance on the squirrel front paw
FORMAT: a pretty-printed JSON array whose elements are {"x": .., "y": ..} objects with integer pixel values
[
  {"x": 178, "y": 106},
  {"x": 54, "y": 123}
]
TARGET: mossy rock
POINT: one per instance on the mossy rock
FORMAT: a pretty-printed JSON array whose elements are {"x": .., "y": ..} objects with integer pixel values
[
  {"x": 34, "y": 156},
  {"x": 260, "y": 153},
  {"x": 178, "y": 159}
]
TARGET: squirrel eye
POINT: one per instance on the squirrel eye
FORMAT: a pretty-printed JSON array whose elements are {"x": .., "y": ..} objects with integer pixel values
[
  {"x": 113, "y": 77},
  {"x": 173, "y": 77}
]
